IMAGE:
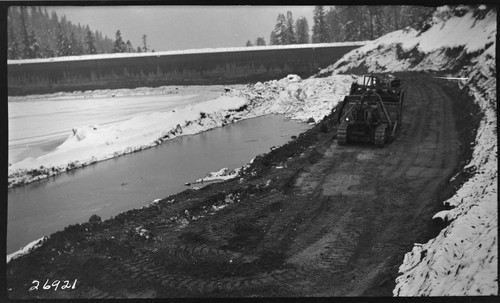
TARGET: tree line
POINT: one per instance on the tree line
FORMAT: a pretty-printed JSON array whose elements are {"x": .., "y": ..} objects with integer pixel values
[
  {"x": 345, "y": 23},
  {"x": 34, "y": 33}
]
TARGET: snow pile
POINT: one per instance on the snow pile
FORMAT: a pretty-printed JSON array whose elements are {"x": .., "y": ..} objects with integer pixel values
[
  {"x": 221, "y": 175},
  {"x": 296, "y": 98},
  {"x": 25, "y": 250},
  {"x": 463, "y": 258},
  {"x": 292, "y": 96}
]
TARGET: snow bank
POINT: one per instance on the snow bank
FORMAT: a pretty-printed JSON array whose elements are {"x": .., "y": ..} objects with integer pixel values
[
  {"x": 86, "y": 145},
  {"x": 221, "y": 175},
  {"x": 25, "y": 250},
  {"x": 291, "y": 96},
  {"x": 299, "y": 99},
  {"x": 463, "y": 258}
]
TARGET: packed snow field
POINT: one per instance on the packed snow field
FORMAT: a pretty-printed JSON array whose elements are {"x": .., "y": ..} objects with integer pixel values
[
  {"x": 463, "y": 258},
  {"x": 130, "y": 129},
  {"x": 35, "y": 121}
]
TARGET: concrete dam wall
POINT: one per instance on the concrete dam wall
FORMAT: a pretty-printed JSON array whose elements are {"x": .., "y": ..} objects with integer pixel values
[{"x": 197, "y": 67}]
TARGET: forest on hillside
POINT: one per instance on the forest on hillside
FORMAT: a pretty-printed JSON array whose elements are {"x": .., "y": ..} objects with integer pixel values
[
  {"x": 33, "y": 32},
  {"x": 345, "y": 23}
]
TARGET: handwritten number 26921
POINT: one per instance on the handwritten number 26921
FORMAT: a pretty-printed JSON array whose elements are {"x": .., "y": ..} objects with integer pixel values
[{"x": 57, "y": 284}]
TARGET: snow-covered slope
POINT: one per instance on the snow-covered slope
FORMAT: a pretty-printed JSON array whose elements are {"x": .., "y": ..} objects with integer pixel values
[
  {"x": 296, "y": 98},
  {"x": 451, "y": 41},
  {"x": 461, "y": 41}
]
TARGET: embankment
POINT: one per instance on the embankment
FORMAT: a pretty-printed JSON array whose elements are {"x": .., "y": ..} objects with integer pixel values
[{"x": 192, "y": 67}]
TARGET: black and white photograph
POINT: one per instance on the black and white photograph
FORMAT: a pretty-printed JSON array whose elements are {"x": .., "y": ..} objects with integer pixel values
[{"x": 162, "y": 151}]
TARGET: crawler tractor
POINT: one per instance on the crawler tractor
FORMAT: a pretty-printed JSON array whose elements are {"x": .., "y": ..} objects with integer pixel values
[{"x": 372, "y": 111}]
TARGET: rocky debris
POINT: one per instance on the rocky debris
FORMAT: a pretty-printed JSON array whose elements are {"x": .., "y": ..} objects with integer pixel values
[{"x": 142, "y": 232}]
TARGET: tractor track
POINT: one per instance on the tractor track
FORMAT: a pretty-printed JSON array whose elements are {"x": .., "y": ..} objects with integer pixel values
[{"x": 335, "y": 226}]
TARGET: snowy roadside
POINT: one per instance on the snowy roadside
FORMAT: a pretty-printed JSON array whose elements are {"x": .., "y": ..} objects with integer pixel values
[
  {"x": 463, "y": 258},
  {"x": 291, "y": 96}
]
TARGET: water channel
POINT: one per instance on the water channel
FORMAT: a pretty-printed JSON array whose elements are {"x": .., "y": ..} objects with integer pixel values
[{"x": 132, "y": 181}]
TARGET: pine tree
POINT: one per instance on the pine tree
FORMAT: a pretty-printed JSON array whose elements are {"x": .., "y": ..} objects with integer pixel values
[
  {"x": 13, "y": 44},
  {"x": 139, "y": 50},
  {"x": 289, "y": 35},
  {"x": 353, "y": 19},
  {"x": 273, "y": 39},
  {"x": 47, "y": 50},
  {"x": 260, "y": 41},
  {"x": 119, "y": 46},
  {"x": 249, "y": 43},
  {"x": 302, "y": 31},
  {"x": 380, "y": 24},
  {"x": 107, "y": 44},
  {"x": 319, "y": 27},
  {"x": 90, "y": 42},
  {"x": 75, "y": 47},
  {"x": 14, "y": 49},
  {"x": 375, "y": 25},
  {"x": 34, "y": 50},
  {"x": 395, "y": 16},
  {"x": 63, "y": 48},
  {"x": 130, "y": 48},
  {"x": 46, "y": 34},
  {"x": 333, "y": 25},
  {"x": 24, "y": 31},
  {"x": 98, "y": 43},
  {"x": 371, "y": 15},
  {"x": 280, "y": 30}
]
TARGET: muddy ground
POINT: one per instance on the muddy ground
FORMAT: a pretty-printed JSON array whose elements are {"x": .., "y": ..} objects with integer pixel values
[{"x": 308, "y": 219}]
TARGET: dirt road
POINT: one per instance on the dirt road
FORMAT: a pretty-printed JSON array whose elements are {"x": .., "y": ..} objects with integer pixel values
[{"x": 309, "y": 219}]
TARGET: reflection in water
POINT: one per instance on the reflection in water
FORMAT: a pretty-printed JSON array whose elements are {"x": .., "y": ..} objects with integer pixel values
[{"x": 131, "y": 181}]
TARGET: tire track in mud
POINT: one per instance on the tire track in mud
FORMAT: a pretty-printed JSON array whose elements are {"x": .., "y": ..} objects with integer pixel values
[
  {"x": 214, "y": 228},
  {"x": 192, "y": 254},
  {"x": 142, "y": 270},
  {"x": 419, "y": 106}
]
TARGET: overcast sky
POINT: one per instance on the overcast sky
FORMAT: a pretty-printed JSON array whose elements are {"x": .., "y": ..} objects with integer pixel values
[{"x": 183, "y": 27}]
